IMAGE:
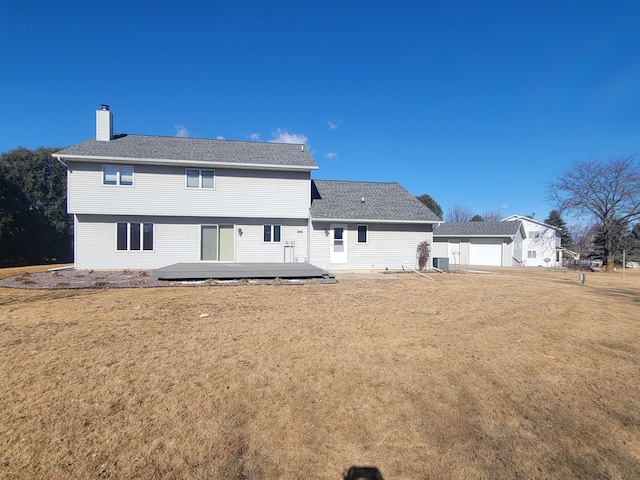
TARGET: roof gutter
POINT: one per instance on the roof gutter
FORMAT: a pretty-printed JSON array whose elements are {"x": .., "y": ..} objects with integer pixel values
[
  {"x": 198, "y": 163},
  {"x": 61, "y": 161},
  {"x": 371, "y": 220},
  {"x": 453, "y": 235}
]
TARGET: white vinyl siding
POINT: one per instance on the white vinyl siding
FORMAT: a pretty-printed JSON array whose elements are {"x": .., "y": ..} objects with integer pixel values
[
  {"x": 540, "y": 243},
  {"x": 177, "y": 240},
  {"x": 160, "y": 191},
  {"x": 388, "y": 245}
]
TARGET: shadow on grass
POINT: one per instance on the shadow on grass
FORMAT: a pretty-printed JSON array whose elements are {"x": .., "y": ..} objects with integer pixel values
[{"x": 363, "y": 473}]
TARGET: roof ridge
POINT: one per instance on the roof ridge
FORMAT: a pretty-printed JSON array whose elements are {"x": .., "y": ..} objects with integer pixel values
[
  {"x": 122, "y": 134},
  {"x": 354, "y": 181}
]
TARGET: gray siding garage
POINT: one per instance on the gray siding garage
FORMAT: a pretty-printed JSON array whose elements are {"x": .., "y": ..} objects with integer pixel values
[{"x": 494, "y": 244}]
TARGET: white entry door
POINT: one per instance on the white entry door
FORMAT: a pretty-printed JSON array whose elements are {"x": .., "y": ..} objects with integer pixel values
[{"x": 338, "y": 243}]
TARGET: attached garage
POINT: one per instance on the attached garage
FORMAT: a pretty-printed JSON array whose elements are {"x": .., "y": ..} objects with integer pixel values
[{"x": 485, "y": 252}]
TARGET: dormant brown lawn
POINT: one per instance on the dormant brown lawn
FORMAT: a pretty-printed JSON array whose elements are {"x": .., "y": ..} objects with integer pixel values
[{"x": 518, "y": 374}]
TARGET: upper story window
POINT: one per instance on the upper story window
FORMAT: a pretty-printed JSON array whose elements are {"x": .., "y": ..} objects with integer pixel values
[
  {"x": 271, "y": 233},
  {"x": 535, "y": 234},
  {"x": 362, "y": 234},
  {"x": 200, "y": 178},
  {"x": 117, "y": 175}
]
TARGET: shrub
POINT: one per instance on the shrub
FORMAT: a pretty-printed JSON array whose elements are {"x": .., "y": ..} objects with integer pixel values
[{"x": 423, "y": 254}]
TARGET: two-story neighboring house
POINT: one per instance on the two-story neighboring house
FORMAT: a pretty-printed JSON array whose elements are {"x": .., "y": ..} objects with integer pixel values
[
  {"x": 542, "y": 243},
  {"x": 145, "y": 202}
]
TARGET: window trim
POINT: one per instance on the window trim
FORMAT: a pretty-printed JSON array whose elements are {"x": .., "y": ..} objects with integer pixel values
[
  {"x": 118, "y": 176},
  {"x": 142, "y": 240},
  {"x": 534, "y": 234},
  {"x": 531, "y": 254},
  {"x": 272, "y": 232},
  {"x": 200, "y": 178},
  {"x": 366, "y": 234}
]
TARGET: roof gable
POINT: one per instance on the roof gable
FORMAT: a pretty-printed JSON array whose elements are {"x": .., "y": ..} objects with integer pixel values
[
  {"x": 367, "y": 201},
  {"x": 524, "y": 218},
  {"x": 148, "y": 148}
]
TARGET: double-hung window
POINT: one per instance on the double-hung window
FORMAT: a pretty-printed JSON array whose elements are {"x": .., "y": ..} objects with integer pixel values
[
  {"x": 117, "y": 175},
  {"x": 362, "y": 234},
  {"x": 134, "y": 236},
  {"x": 271, "y": 233},
  {"x": 197, "y": 178}
]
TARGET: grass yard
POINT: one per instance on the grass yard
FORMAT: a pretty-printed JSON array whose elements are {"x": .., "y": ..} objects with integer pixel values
[{"x": 520, "y": 374}]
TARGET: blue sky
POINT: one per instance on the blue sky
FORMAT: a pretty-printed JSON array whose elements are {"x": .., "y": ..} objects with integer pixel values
[{"x": 474, "y": 103}]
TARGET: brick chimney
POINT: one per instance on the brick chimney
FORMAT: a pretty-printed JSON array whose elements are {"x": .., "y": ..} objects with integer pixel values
[{"x": 104, "y": 124}]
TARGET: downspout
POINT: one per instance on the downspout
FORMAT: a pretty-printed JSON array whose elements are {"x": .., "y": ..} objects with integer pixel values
[{"x": 309, "y": 237}]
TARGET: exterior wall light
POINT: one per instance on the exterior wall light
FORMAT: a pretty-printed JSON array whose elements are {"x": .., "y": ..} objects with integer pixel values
[{"x": 240, "y": 231}]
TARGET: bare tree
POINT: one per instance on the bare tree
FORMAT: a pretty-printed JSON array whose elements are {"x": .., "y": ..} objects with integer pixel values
[
  {"x": 583, "y": 236},
  {"x": 458, "y": 213},
  {"x": 492, "y": 216},
  {"x": 603, "y": 192}
]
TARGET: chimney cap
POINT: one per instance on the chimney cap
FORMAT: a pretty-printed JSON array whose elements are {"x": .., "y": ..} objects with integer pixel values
[{"x": 105, "y": 107}]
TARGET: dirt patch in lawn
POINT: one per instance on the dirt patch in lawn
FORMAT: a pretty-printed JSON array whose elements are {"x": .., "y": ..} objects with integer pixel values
[
  {"x": 519, "y": 374},
  {"x": 38, "y": 278}
]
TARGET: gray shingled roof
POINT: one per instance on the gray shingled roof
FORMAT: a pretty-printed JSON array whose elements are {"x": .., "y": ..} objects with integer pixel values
[
  {"x": 477, "y": 229},
  {"x": 194, "y": 149},
  {"x": 334, "y": 199}
]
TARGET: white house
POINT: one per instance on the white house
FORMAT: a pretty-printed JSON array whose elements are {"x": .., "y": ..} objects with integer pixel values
[
  {"x": 144, "y": 202},
  {"x": 542, "y": 244},
  {"x": 498, "y": 244}
]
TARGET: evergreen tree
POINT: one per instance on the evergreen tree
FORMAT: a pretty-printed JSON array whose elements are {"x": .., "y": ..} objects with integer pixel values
[
  {"x": 556, "y": 220},
  {"x": 431, "y": 203},
  {"x": 34, "y": 225}
]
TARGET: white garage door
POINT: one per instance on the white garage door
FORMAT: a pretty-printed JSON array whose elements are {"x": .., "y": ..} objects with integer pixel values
[{"x": 485, "y": 252}]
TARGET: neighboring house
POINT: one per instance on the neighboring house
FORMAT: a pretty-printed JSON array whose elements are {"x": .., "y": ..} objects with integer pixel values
[
  {"x": 542, "y": 244},
  {"x": 489, "y": 243},
  {"x": 145, "y": 202}
]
